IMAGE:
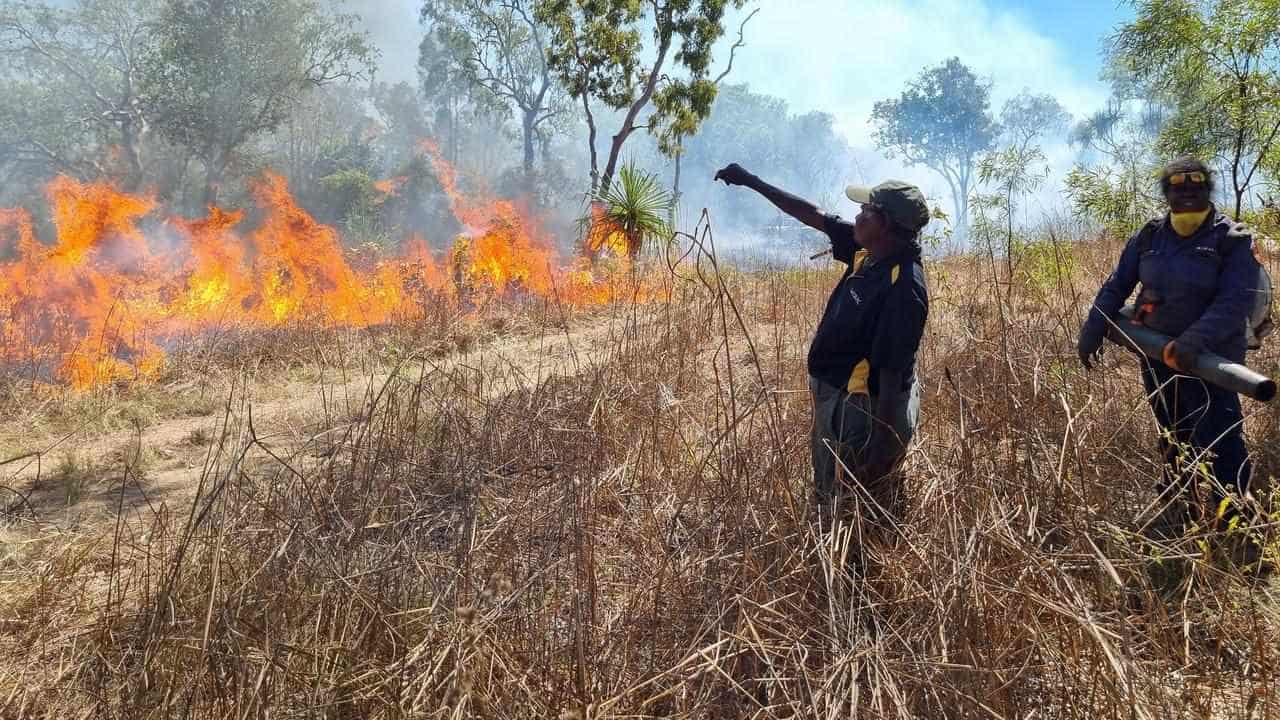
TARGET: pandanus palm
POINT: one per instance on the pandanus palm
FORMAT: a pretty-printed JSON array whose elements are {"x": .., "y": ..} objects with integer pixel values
[{"x": 631, "y": 215}]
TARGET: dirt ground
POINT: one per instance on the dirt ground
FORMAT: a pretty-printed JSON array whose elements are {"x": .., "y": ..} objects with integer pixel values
[{"x": 85, "y": 476}]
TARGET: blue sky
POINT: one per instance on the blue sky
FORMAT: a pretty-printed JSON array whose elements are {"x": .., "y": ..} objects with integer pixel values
[
  {"x": 840, "y": 55},
  {"x": 1079, "y": 26}
]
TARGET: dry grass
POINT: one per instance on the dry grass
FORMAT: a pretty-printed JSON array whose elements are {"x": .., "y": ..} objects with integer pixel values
[{"x": 634, "y": 539}]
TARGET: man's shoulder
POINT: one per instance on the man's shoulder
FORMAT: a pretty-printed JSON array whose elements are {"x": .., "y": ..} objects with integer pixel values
[
  {"x": 1228, "y": 234},
  {"x": 908, "y": 276},
  {"x": 1149, "y": 230}
]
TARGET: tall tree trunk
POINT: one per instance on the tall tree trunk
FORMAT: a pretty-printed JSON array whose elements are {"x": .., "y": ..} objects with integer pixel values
[
  {"x": 1008, "y": 242},
  {"x": 129, "y": 142},
  {"x": 453, "y": 131},
  {"x": 132, "y": 127},
  {"x": 526, "y": 127},
  {"x": 615, "y": 151},
  {"x": 958, "y": 211},
  {"x": 215, "y": 170},
  {"x": 629, "y": 122},
  {"x": 675, "y": 193},
  {"x": 1236, "y": 185},
  {"x": 591, "y": 144}
]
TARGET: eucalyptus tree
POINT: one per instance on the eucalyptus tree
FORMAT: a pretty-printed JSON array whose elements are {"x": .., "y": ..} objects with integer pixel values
[
  {"x": 224, "y": 72},
  {"x": 1018, "y": 165},
  {"x": 72, "y": 80},
  {"x": 599, "y": 52},
  {"x": 1114, "y": 181},
  {"x": 942, "y": 120}
]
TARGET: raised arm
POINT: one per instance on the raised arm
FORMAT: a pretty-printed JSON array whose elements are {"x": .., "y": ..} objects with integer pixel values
[{"x": 797, "y": 207}]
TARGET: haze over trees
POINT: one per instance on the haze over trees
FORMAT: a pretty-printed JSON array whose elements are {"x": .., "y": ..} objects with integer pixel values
[
  {"x": 546, "y": 99},
  {"x": 72, "y": 84},
  {"x": 1113, "y": 183},
  {"x": 117, "y": 88},
  {"x": 801, "y": 152},
  {"x": 223, "y": 72},
  {"x": 499, "y": 51},
  {"x": 1017, "y": 166}
]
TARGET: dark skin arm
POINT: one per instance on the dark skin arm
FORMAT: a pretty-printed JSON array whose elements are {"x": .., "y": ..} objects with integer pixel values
[{"x": 797, "y": 207}]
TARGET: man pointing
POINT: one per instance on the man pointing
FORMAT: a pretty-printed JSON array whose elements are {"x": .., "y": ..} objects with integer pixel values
[{"x": 862, "y": 361}]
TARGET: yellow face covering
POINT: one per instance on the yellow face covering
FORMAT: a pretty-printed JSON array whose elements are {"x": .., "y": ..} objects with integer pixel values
[{"x": 1186, "y": 223}]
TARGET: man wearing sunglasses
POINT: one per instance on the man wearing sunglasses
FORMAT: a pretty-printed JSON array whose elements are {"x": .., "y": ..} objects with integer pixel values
[
  {"x": 862, "y": 361},
  {"x": 1198, "y": 275}
]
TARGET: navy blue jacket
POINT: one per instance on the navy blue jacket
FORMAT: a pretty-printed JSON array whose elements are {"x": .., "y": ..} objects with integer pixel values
[
  {"x": 875, "y": 317},
  {"x": 1202, "y": 286}
]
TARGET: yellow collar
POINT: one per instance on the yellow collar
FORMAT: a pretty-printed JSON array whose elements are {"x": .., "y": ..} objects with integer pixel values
[{"x": 1186, "y": 223}]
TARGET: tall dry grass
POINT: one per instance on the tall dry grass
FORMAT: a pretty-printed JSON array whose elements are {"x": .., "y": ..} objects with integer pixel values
[{"x": 634, "y": 539}]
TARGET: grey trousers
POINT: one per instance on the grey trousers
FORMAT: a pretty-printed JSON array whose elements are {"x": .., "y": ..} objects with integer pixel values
[{"x": 842, "y": 425}]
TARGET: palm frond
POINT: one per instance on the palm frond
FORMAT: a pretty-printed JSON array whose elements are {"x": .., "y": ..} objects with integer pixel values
[{"x": 635, "y": 207}]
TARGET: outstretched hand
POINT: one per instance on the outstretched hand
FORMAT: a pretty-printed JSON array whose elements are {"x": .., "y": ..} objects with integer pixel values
[{"x": 733, "y": 174}]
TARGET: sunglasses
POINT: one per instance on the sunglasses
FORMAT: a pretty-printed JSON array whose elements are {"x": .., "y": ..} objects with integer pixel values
[{"x": 1184, "y": 177}]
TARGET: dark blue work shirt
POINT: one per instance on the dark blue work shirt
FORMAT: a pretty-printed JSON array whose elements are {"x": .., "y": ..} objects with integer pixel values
[
  {"x": 874, "y": 319},
  {"x": 1201, "y": 287}
]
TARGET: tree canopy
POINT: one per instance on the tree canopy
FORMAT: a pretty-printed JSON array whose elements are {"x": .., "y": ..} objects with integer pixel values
[
  {"x": 942, "y": 120},
  {"x": 1115, "y": 182},
  {"x": 803, "y": 153},
  {"x": 72, "y": 83},
  {"x": 1216, "y": 65},
  {"x": 497, "y": 49},
  {"x": 226, "y": 71},
  {"x": 599, "y": 53}
]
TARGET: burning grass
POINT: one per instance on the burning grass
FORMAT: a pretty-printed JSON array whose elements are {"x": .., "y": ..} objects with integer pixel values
[
  {"x": 632, "y": 537},
  {"x": 105, "y": 298}
]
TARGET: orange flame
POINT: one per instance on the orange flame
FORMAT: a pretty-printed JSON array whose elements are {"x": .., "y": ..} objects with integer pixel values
[
  {"x": 505, "y": 246},
  {"x": 391, "y": 186},
  {"x": 96, "y": 304},
  {"x": 604, "y": 234}
]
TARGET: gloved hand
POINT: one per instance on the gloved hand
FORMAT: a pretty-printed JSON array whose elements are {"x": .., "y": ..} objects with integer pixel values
[
  {"x": 1180, "y": 356},
  {"x": 734, "y": 174},
  {"x": 1089, "y": 347}
]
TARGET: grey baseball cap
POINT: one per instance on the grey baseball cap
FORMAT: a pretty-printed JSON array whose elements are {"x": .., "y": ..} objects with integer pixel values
[{"x": 901, "y": 201}]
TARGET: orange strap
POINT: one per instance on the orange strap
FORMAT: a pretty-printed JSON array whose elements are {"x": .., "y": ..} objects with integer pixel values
[{"x": 1141, "y": 313}]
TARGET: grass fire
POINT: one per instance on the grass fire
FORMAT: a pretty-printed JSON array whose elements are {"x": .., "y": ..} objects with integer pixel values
[
  {"x": 540, "y": 359},
  {"x": 95, "y": 305}
]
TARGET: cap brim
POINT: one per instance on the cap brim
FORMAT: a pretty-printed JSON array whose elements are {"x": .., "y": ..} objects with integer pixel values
[{"x": 858, "y": 193}]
